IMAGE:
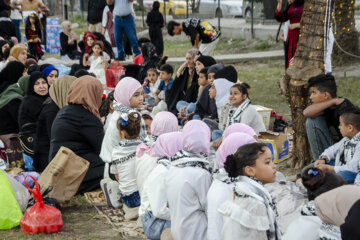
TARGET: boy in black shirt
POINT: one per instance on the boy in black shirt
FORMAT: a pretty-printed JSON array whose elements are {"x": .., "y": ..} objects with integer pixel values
[
  {"x": 323, "y": 114},
  {"x": 198, "y": 31}
]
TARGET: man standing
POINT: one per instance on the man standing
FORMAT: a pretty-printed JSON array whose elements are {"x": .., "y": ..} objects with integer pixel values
[
  {"x": 124, "y": 21},
  {"x": 198, "y": 31},
  {"x": 95, "y": 13}
]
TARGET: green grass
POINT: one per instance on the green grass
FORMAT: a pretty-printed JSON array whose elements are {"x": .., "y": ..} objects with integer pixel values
[
  {"x": 78, "y": 18},
  {"x": 225, "y": 46}
]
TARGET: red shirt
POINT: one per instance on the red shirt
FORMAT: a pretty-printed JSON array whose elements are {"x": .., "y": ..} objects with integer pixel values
[{"x": 138, "y": 59}]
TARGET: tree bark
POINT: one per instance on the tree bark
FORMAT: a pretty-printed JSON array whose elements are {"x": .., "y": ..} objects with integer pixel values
[
  {"x": 345, "y": 32},
  {"x": 307, "y": 62}
]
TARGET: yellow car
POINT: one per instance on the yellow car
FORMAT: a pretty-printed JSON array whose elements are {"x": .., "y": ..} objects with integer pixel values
[{"x": 173, "y": 8}]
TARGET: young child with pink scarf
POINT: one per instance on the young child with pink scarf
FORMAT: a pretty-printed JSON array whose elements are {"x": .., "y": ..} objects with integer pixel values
[
  {"x": 154, "y": 211},
  {"x": 163, "y": 122}
]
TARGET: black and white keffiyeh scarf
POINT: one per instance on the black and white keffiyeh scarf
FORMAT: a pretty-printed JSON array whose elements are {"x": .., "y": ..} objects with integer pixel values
[
  {"x": 189, "y": 159},
  {"x": 125, "y": 151},
  {"x": 235, "y": 112},
  {"x": 221, "y": 175},
  {"x": 347, "y": 149},
  {"x": 164, "y": 161},
  {"x": 251, "y": 187}
]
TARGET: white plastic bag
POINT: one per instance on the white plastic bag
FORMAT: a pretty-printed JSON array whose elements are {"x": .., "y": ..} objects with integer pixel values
[{"x": 22, "y": 195}]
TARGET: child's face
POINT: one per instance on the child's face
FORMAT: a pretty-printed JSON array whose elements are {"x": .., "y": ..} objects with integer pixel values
[
  {"x": 147, "y": 125},
  {"x": 152, "y": 77},
  {"x": 345, "y": 129},
  {"x": 89, "y": 41},
  {"x": 164, "y": 76},
  {"x": 202, "y": 81},
  {"x": 52, "y": 77},
  {"x": 137, "y": 99},
  {"x": 97, "y": 50},
  {"x": 211, "y": 77},
  {"x": 316, "y": 96},
  {"x": 212, "y": 91},
  {"x": 198, "y": 66},
  {"x": 32, "y": 20},
  {"x": 236, "y": 97},
  {"x": 264, "y": 169},
  {"x": 177, "y": 30}
]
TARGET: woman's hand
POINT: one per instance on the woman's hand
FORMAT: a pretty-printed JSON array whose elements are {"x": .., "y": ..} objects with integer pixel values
[
  {"x": 216, "y": 144},
  {"x": 181, "y": 69},
  {"x": 294, "y": 26}
]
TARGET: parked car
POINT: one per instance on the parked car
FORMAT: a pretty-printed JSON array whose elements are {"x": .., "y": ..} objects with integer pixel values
[
  {"x": 228, "y": 8},
  {"x": 258, "y": 9},
  {"x": 174, "y": 8}
]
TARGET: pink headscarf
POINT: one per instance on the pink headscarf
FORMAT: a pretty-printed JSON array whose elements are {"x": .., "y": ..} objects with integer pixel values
[
  {"x": 238, "y": 127},
  {"x": 168, "y": 144},
  {"x": 125, "y": 89},
  {"x": 231, "y": 144},
  {"x": 164, "y": 122},
  {"x": 196, "y": 137}
]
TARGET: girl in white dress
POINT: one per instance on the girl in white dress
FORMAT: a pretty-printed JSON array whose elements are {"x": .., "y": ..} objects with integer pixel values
[
  {"x": 97, "y": 61},
  {"x": 250, "y": 213}
]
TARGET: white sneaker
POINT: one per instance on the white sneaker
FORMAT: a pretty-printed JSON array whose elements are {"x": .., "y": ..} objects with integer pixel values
[
  {"x": 111, "y": 192},
  {"x": 131, "y": 213}
]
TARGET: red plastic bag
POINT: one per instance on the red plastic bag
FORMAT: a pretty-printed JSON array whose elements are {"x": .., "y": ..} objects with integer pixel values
[
  {"x": 113, "y": 74},
  {"x": 40, "y": 218}
]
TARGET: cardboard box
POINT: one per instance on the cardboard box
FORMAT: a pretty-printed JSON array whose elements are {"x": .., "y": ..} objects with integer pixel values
[
  {"x": 265, "y": 114},
  {"x": 278, "y": 144}
]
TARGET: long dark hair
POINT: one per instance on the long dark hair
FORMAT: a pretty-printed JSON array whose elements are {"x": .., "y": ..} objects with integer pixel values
[
  {"x": 317, "y": 182},
  {"x": 37, "y": 22}
]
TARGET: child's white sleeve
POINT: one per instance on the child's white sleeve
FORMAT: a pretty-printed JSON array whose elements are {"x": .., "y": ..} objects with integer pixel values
[
  {"x": 331, "y": 151},
  {"x": 353, "y": 164}
]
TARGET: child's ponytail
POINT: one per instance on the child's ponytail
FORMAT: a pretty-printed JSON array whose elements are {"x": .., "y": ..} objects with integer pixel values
[{"x": 130, "y": 123}]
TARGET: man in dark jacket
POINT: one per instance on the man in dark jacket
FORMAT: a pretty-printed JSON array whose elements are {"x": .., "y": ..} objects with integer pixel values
[{"x": 95, "y": 12}]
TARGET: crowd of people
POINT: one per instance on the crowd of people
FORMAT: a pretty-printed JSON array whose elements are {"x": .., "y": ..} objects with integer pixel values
[{"x": 178, "y": 148}]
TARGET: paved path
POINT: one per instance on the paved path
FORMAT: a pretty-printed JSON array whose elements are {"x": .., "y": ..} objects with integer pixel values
[{"x": 226, "y": 59}]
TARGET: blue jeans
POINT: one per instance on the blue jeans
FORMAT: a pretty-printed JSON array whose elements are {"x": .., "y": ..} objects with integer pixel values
[
  {"x": 132, "y": 200},
  {"x": 216, "y": 134},
  {"x": 152, "y": 226},
  {"x": 151, "y": 101},
  {"x": 318, "y": 135},
  {"x": 128, "y": 25},
  {"x": 17, "y": 27},
  {"x": 190, "y": 107},
  {"x": 348, "y": 176}
]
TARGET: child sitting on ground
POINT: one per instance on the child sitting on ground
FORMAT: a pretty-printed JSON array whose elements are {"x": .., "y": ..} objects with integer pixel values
[
  {"x": 154, "y": 82},
  {"x": 148, "y": 120},
  {"x": 97, "y": 61},
  {"x": 154, "y": 210},
  {"x": 166, "y": 72},
  {"x": 123, "y": 161},
  {"x": 346, "y": 152},
  {"x": 250, "y": 212},
  {"x": 309, "y": 226},
  {"x": 186, "y": 109},
  {"x": 322, "y": 116}
]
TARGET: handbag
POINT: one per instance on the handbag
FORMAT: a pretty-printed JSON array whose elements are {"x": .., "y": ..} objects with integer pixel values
[
  {"x": 13, "y": 150},
  {"x": 64, "y": 174},
  {"x": 113, "y": 74}
]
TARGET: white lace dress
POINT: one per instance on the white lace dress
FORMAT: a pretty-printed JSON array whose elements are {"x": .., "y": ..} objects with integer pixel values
[{"x": 97, "y": 68}]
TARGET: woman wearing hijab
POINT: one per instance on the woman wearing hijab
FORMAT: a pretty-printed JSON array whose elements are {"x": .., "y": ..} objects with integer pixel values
[
  {"x": 222, "y": 185},
  {"x": 163, "y": 122},
  {"x": 155, "y": 21},
  {"x": 50, "y": 72},
  {"x": 30, "y": 109},
  {"x": 185, "y": 86},
  {"x": 51, "y": 106},
  {"x": 11, "y": 74},
  {"x": 154, "y": 210},
  {"x": 151, "y": 59},
  {"x": 85, "y": 46},
  {"x": 19, "y": 52},
  {"x": 10, "y": 101},
  {"x": 79, "y": 128},
  {"x": 188, "y": 181},
  {"x": 68, "y": 41},
  {"x": 240, "y": 128},
  {"x": 128, "y": 96}
]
